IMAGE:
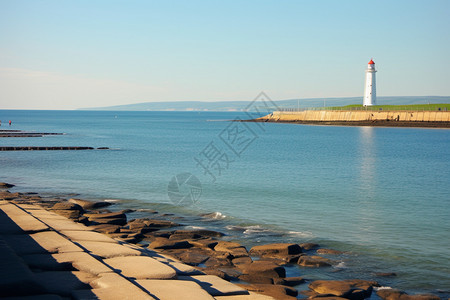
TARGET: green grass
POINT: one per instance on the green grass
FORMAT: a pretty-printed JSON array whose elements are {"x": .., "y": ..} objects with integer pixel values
[{"x": 412, "y": 107}]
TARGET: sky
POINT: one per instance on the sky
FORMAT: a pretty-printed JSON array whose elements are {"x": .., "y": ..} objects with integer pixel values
[{"x": 61, "y": 54}]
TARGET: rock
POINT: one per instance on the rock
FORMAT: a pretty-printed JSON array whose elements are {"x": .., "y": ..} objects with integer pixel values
[
  {"x": 195, "y": 234},
  {"x": 289, "y": 281},
  {"x": 9, "y": 196},
  {"x": 263, "y": 268},
  {"x": 4, "y": 185},
  {"x": 387, "y": 274},
  {"x": 309, "y": 246},
  {"x": 204, "y": 243},
  {"x": 329, "y": 251},
  {"x": 242, "y": 260},
  {"x": 313, "y": 261},
  {"x": 234, "y": 249},
  {"x": 157, "y": 223},
  {"x": 163, "y": 243},
  {"x": 116, "y": 218},
  {"x": 106, "y": 228},
  {"x": 193, "y": 257},
  {"x": 218, "y": 262},
  {"x": 276, "y": 250},
  {"x": 67, "y": 206},
  {"x": 140, "y": 227},
  {"x": 354, "y": 289},
  {"x": 276, "y": 291},
  {"x": 393, "y": 294},
  {"x": 255, "y": 278},
  {"x": 86, "y": 204}
]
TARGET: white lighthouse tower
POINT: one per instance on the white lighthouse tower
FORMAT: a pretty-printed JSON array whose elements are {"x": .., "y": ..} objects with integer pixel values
[{"x": 370, "y": 90}]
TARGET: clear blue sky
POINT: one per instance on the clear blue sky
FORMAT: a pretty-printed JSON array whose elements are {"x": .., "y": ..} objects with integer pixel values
[{"x": 60, "y": 54}]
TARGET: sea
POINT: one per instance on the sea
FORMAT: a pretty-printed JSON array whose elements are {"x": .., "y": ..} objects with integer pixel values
[{"x": 381, "y": 195}]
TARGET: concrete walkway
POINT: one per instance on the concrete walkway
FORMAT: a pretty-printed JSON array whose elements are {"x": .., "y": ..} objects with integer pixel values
[{"x": 47, "y": 256}]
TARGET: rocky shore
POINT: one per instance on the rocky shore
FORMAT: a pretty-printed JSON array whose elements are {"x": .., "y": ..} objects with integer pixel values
[{"x": 54, "y": 248}]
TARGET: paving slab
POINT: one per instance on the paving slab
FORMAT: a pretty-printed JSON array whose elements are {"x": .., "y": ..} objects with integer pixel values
[
  {"x": 108, "y": 250},
  {"x": 82, "y": 261},
  {"x": 76, "y": 235},
  {"x": 251, "y": 296},
  {"x": 64, "y": 282},
  {"x": 174, "y": 289},
  {"x": 42, "y": 213},
  {"x": 29, "y": 206},
  {"x": 215, "y": 286},
  {"x": 113, "y": 286},
  {"x": 22, "y": 219},
  {"x": 141, "y": 267},
  {"x": 62, "y": 223},
  {"x": 54, "y": 242}
]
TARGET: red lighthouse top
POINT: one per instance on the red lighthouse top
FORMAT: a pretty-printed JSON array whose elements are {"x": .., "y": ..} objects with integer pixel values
[{"x": 371, "y": 62}]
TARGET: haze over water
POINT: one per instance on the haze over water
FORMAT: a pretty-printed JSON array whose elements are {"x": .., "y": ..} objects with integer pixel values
[{"x": 380, "y": 193}]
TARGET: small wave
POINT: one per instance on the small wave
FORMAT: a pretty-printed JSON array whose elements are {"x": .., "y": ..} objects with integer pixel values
[
  {"x": 382, "y": 288},
  {"x": 214, "y": 215},
  {"x": 302, "y": 234},
  {"x": 255, "y": 230},
  {"x": 196, "y": 227},
  {"x": 112, "y": 200},
  {"x": 341, "y": 265}
]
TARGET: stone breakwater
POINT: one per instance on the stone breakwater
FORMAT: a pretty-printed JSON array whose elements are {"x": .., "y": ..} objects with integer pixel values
[
  {"x": 58, "y": 248},
  {"x": 362, "y": 118}
]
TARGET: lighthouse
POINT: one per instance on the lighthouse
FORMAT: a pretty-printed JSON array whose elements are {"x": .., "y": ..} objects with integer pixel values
[{"x": 370, "y": 91}]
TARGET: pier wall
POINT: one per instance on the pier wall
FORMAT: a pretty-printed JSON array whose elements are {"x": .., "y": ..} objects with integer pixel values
[{"x": 344, "y": 116}]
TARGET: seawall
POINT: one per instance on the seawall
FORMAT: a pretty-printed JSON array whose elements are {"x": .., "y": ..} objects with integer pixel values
[{"x": 362, "y": 118}]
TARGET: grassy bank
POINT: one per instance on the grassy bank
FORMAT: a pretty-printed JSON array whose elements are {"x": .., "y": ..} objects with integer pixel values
[{"x": 413, "y": 107}]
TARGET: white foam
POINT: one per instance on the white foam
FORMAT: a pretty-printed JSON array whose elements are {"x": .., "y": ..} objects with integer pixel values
[
  {"x": 382, "y": 288},
  {"x": 112, "y": 200},
  {"x": 302, "y": 234},
  {"x": 341, "y": 265}
]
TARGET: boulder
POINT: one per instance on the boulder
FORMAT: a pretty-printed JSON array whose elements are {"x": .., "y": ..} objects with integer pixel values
[
  {"x": 234, "y": 249},
  {"x": 4, "y": 185},
  {"x": 309, "y": 246},
  {"x": 163, "y": 243},
  {"x": 393, "y": 294},
  {"x": 195, "y": 234},
  {"x": 353, "y": 289},
  {"x": 106, "y": 228},
  {"x": 193, "y": 257},
  {"x": 313, "y": 261},
  {"x": 263, "y": 268},
  {"x": 86, "y": 204},
  {"x": 289, "y": 281},
  {"x": 157, "y": 223},
  {"x": 242, "y": 260},
  {"x": 67, "y": 206},
  {"x": 214, "y": 262},
  {"x": 276, "y": 250},
  {"x": 329, "y": 251},
  {"x": 116, "y": 218}
]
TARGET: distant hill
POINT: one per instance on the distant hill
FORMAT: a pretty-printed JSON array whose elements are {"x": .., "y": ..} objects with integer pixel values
[{"x": 293, "y": 103}]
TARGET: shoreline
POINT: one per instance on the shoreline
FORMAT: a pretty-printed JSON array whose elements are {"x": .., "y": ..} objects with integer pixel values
[{"x": 259, "y": 269}]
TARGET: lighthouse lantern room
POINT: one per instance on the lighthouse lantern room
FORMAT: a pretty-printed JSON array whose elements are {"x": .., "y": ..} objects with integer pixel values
[{"x": 370, "y": 92}]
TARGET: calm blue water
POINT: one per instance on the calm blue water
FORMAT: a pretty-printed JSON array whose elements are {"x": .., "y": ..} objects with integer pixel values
[{"x": 380, "y": 193}]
